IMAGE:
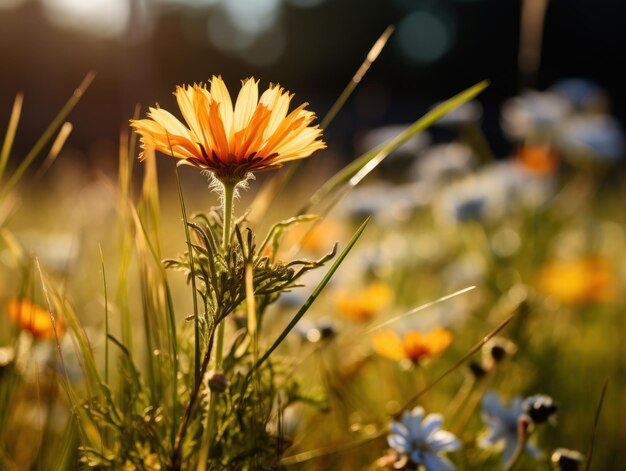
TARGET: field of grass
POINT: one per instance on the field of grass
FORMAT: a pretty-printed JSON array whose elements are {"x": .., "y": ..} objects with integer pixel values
[{"x": 428, "y": 306}]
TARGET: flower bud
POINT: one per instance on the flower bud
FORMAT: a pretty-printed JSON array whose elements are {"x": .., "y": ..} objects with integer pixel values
[
  {"x": 218, "y": 382},
  {"x": 567, "y": 460},
  {"x": 477, "y": 370},
  {"x": 7, "y": 357},
  {"x": 540, "y": 408},
  {"x": 497, "y": 350}
]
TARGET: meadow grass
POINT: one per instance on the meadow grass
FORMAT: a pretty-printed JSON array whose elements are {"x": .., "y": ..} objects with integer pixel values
[{"x": 329, "y": 339}]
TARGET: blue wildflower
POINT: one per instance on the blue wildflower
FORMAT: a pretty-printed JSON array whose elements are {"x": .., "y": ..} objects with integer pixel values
[
  {"x": 387, "y": 203},
  {"x": 582, "y": 93},
  {"x": 422, "y": 440},
  {"x": 443, "y": 162},
  {"x": 585, "y": 137},
  {"x": 533, "y": 113},
  {"x": 379, "y": 136},
  {"x": 469, "y": 112},
  {"x": 502, "y": 423}
]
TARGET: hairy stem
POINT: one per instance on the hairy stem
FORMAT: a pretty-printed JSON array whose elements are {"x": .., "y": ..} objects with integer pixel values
[
  {"x": 522, "y": 437},
  {"x": 228, "y": 196}
]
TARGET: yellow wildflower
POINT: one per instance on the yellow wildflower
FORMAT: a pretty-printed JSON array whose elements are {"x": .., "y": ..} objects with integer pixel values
[
  {"x": 414, "y": 345},
  {"x": 363, "y": 305},
  {"x": 33, "y": 318},
  {"x": 253, "y": 135},
  {"x": 582, "y": 281}
]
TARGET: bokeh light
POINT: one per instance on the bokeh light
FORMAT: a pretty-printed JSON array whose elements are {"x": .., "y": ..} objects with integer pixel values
[
  {"x": 6, "y": 4},
  {"x": 424, "y": 37},
  {"x": 192, "y": 3},
  {"x": 106, "y": 18},
  {"x": 305, "y": 3},
  {"x": 252, "y": 16}
]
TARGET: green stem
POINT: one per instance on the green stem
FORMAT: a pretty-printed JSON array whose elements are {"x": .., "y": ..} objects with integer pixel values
[
  {"x": 522, "y": 438},
  {"x": 229, "y": 192},
  {"x": 211, "y": 422},
  {"x": 196, "y": 321}
]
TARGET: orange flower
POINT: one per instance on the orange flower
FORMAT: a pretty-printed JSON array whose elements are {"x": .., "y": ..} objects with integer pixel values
[
  {"x": 587, "y": 280},
  {"x": 538, "y": 159},
  {"x": 33, "y": 318},
  {"x": 414, "y": 345},
  {"x": 364, "y": 304},
  {"x": 253, "y": 135},
  {"x": 317, "y": 238}
]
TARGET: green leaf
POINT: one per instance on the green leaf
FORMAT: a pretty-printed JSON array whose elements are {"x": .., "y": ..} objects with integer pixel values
[{"x": 311, "y": 299}]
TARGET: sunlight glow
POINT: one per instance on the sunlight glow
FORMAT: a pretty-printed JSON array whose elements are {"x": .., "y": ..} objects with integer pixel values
[
  {"x": 252, "y": 16},
  {"x": 105, "y": 18},
  {"x": 8, "y": 4},
  {"x": 424, "y": 37}
]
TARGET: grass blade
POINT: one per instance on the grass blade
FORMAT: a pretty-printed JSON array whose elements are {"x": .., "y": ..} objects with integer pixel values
[
  {"x": 277, "y": 182},
  {"x": 353, "y": 173},
  {"x": 595, "y": 425},
  {"x": 11, "y": 130},
  {"x": 47, "y": 134},
  {"x": 327, "y": 451},
  {"x": 196, "y": 319},
  {"x": 55, "y": 150},
  {"x": 372, "y": 55},
  {"x": 307, "y": 304},
  {"x": 321, "y": 452},
  {"x": 458, "y": 363},
  {"x": 106, "y": 319},
  {"x": 419, "y": 308},
  {"x": 125, "y": 172}
]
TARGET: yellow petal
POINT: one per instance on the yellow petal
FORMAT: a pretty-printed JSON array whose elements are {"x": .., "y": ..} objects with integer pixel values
[
  {"x": 33, "y": 318},
  {"x": 169, "y": 122},
  {"x": 302, "y": 145},
  {"x": 201, "y": 103},
  {"x": 438, "y": 340},
  {"x": 184, "y": 98},
  {"x": 279, "y": 112},
  {"x": 246, "y": 104},
  {"x": 216, "y": 126},
  {"x": 389, "y": 345},
  {"x": 220, "y": 94},
  {"x": 253, "y": 135}
]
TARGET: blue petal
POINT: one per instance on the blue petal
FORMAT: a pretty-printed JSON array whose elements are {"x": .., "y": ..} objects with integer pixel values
[
  {"x": 413, "y": 422},
  {"x": 443, "y": 441},
  {"x": 509, "y": 449},
  {"x": 399, "y": 443},
  {"x": 494, "y": 434},
  {"x": 417, "y": 457},
  {"x": 492, "y": 405},
  {"x": 400, "y": 429},
  {"x": 433, "y": 462},
  {"x": 431, "y": 424},
  {"x": 533, "y": 451}
]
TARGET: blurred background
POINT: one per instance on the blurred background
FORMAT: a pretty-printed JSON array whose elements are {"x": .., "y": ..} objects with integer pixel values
[
  {"x": 141, "y": 49},
  {"x": 531, "y": 212}
]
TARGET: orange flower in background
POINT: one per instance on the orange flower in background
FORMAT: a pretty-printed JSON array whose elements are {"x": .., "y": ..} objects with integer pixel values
[
  {"x": 315, "y": 238},
  {"x": 363, "y": 305},
  {"x": 538, "y": 159},
  {"x": 414, "y": 345},
  {"x": 33, "y": 318},
  {"x": 253, "y": 135},
  {"x": 581, "y": 281}
]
